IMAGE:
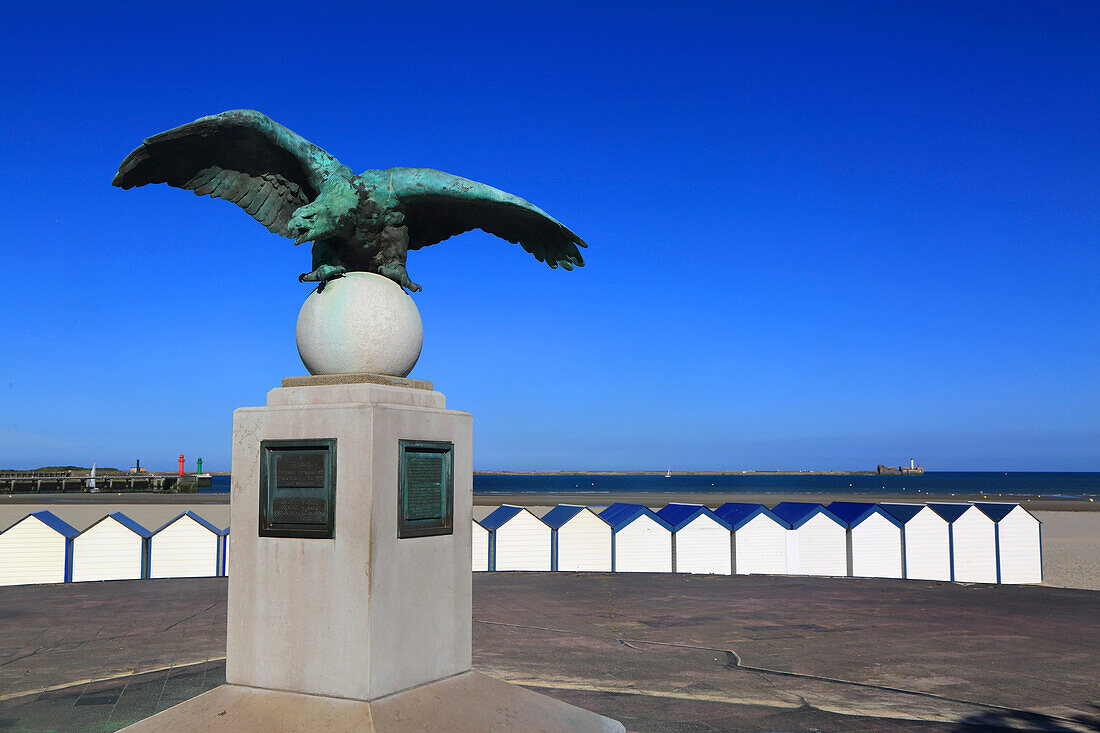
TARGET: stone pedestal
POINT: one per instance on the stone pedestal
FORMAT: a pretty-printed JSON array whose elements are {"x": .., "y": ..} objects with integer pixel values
[
  {"x": 364, "y": 614},
  {"x": 364, "y": 631}
]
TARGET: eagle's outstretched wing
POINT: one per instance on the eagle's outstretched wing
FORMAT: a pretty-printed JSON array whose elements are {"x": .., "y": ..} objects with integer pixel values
[
  {"x": 240, "y": 156},
  {"x": 438, "y": 205}
]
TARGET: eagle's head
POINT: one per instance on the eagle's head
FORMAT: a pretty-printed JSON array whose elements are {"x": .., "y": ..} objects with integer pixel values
[{"x": 331, "y": 215}]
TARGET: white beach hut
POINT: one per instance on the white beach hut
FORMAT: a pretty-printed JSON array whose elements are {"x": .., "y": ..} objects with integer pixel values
[
  {"x": 817, "y": 540},
  {"x": 701, "y": 540},
  {"x": 641, "y": 542},
  {"x": 223, "y": 552},
  {"x": 874, "y": 540},
  {"x": 518, "y": 540},
  {"x": 114, "y": 548},
  {"x": 1018, "y": 536},
  {"x": 973, "y": 542},
  {"x": 759, "y": 538},
  {"x": 480, "y": 544},
  {"x": 186, "y": 547},
  {"x": 926, "y": 541},
  {"x": 37, "y": 549},
  {"x": 580, "y": 539}
]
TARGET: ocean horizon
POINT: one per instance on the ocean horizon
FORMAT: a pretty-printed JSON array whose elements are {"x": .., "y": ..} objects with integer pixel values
[{"x": 1047, "y": 484}]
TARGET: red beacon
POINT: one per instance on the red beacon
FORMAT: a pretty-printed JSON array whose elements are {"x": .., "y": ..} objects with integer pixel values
[{"x": 181, "y": 464}]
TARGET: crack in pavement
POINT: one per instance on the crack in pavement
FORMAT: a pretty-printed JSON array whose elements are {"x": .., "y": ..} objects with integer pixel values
[
  {"x": 23, "y": 656},
  {"x": 188, "y": 618}
]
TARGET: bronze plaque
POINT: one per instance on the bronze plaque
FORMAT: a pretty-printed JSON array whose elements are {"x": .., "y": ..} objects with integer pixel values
[
  {"x": 425, "y": 488},
  {"x": 298, "y": 488}
]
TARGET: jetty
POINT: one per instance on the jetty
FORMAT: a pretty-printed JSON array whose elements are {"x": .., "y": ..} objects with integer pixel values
[{"x": 40, "y": 482}]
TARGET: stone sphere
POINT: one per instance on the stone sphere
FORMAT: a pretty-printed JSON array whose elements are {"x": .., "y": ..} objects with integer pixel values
[{"x": 360, "y": 323}]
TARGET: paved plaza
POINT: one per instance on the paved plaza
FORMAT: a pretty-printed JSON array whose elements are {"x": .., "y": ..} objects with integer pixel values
[{"x": 660, "y": 653}]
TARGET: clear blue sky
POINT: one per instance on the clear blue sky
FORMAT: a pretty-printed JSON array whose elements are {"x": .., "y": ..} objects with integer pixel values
[{"x": 822, "y": 235}]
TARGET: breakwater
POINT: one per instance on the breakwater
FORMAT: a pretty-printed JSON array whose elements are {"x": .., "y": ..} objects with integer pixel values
[{"x": 37, "y": 482}]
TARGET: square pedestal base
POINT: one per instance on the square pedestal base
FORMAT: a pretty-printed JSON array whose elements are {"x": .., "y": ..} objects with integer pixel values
[
  {"x": 465, "y": 702},
  {"x": 364, "y": 613},
  {"x": 363, "y": 627}
]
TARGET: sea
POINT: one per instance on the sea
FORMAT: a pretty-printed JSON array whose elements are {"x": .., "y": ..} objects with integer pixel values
[{"x": 1079, "y": 485}]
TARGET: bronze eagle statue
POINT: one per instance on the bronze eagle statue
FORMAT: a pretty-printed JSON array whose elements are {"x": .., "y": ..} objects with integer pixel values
[{"x": 357, "y": 223}]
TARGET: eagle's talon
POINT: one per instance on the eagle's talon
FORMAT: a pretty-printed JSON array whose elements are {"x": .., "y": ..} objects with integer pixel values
[
  {"x": 399, "y": 275},
  {"x": 323, "y": 274}
]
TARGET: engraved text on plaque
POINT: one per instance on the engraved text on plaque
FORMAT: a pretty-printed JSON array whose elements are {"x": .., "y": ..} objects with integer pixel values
[
  {"x": 297, "y": 488},
  {"x": 425, "y": 488}
]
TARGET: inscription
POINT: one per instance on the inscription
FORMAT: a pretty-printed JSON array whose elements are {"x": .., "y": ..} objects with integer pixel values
[
  {"x": 300, "y": 470},
  {"x": 425, "y": 485},
  {"x": 297, "y": 488},
  {"x": 299, "y": 510},
  {"x": 424, "y": 474}
]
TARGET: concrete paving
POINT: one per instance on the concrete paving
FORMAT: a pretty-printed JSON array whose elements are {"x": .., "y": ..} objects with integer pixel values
[{"x": 660, "y": 653}]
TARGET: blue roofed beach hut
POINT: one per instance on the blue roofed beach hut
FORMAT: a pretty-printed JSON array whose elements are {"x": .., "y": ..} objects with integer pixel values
[
  {"x": 580, "y": 539},
  {"x": 223, "y": 552},
  {"x": 518, "y": 540},
  {"x": 927, "y": 551},
  {"x": 701, "y": 540},
  {"x": 874, "y": 539},
  {"x": 641, "y": 542},
  {"x": 186, "y": 547},
  {"x": 817, "y": 540},
  {"x": 1018, "y": 538},
  {"x": 972, "y": 542},
  {"x": 37, "y": 549},
  {"x": 479, "y": 545},
  {"x": 759, "y": 538},
  {"x": 114, "y": 548}
]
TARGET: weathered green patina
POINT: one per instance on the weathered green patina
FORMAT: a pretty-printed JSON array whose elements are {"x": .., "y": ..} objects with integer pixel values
[{"x": 357, "y": 223}]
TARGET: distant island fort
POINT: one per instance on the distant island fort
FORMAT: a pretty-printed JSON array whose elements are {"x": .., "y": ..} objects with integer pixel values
[{"x": 912, "y": 468}]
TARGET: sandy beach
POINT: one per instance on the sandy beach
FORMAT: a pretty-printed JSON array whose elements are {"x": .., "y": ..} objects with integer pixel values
[
  {"x": 1071, "y": 549},
  {"x": 1071, "y": 528},
  {"x": 151, "y": 511}
]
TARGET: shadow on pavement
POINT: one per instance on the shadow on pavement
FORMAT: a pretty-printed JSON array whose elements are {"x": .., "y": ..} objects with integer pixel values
[{"x": 1024, "y": 720}]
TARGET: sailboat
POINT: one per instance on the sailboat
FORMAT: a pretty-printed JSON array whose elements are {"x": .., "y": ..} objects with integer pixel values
[
  {"x": 91, "y": 480},
  {"x": 668, "y": 472}
]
